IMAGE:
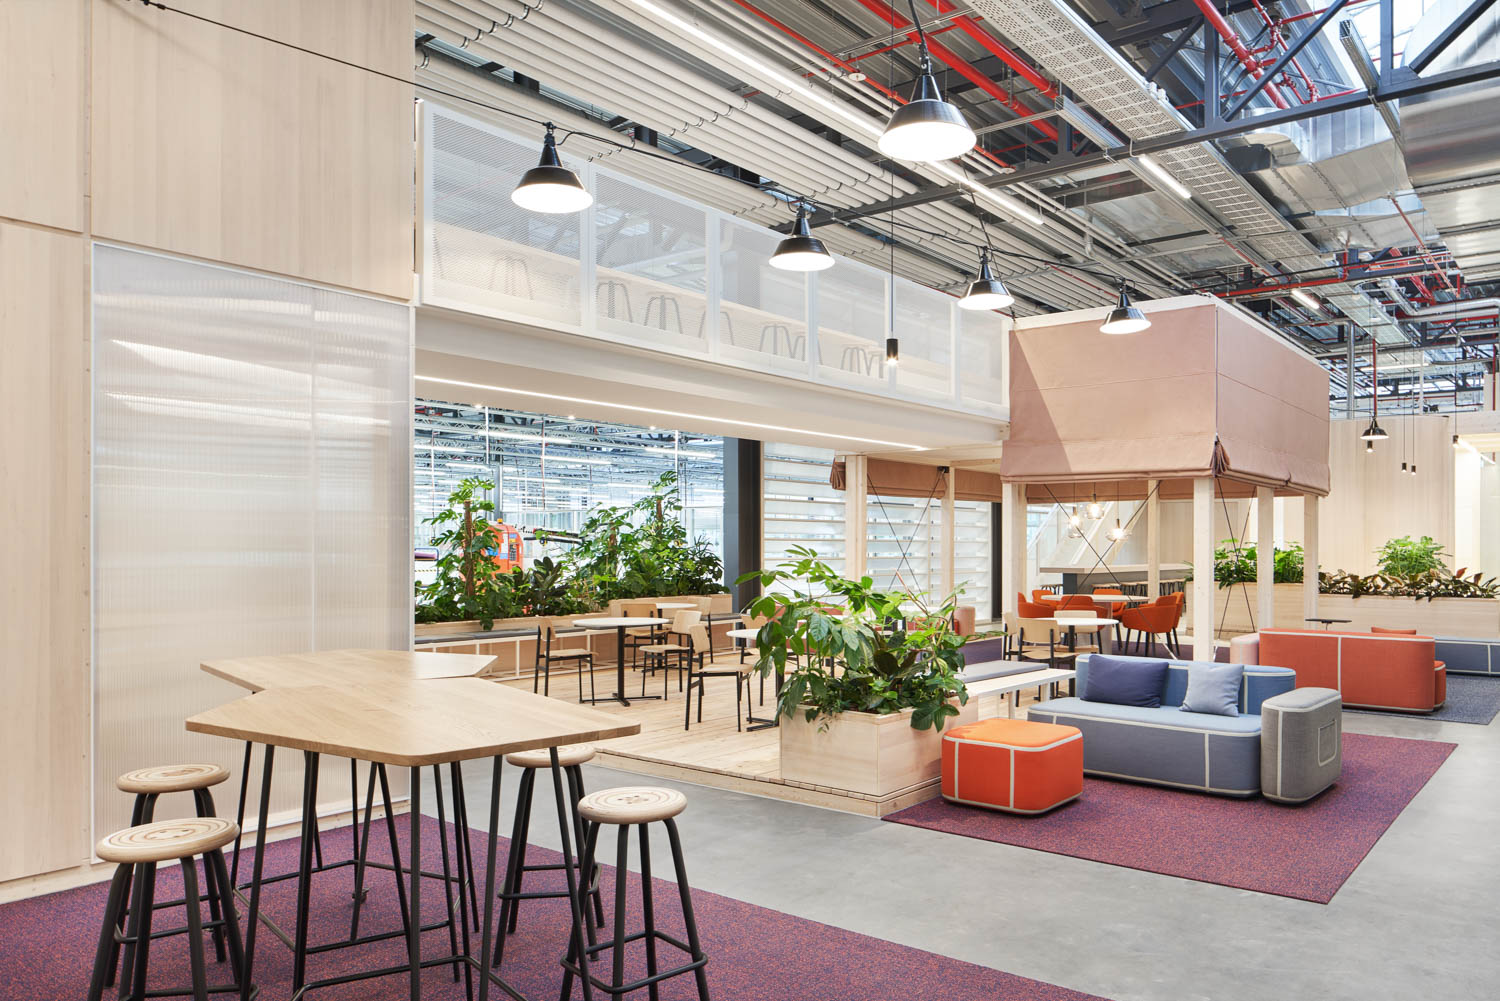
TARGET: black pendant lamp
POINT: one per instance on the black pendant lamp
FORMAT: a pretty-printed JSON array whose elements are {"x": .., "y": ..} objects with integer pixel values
[
  {"x": 1124, "y": 318},
  {"x": 801, "y": 251},
  {"x": 892, "y": 351},
  {"x": 986, "y": 292},
  {"x": 927, "y": 128},
  {"x": 1374, "y": 432},
  {"x": 549, "y": 186}
]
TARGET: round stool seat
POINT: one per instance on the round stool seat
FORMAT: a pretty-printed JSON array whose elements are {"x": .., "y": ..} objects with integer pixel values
[
  {"x": 166, "y": 840},
  {"x": 171, "y": 778},
  {"x": 631, "y": 805},
  {"x": 567, "y": 757}
]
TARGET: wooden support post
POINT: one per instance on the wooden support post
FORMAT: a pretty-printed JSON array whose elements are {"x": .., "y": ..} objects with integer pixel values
[
  {"x": 856, "y": 527},
  {"x": 1012, "y": 543},
  {"x": 1265, "y": 557},
  {"x": 1153, "y": 541},
  {"x": 1309, "y": 555},
  {"x": 948, "y": 536},
  {"x": 1203, "y": 568}
]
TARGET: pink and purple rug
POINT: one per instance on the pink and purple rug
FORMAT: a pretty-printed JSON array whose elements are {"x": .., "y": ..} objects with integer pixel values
[
  {"x": 753, "y": 952},
  {"x": 1304, "y": 851}
]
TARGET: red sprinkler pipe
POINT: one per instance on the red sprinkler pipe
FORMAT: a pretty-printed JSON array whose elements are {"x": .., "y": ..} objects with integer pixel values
[
  {"x": 1232, "y": 39},
  {"x": 997, "y": 48},
  {"x": 959, "y": 65}
]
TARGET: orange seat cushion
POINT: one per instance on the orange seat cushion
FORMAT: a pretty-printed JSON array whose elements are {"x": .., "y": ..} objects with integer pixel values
[
  {"x": 1012, "y": 765},
  {"x": 1393, "y": 632}
]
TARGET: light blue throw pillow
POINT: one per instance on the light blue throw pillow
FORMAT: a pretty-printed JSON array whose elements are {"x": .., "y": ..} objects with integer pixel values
[{"x": 1213, "y": 689}]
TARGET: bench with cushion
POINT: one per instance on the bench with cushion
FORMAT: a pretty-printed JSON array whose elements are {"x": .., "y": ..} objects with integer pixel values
[
  {"x": 1370, "y": 670},
  {"x": 1167, "y": 745}
]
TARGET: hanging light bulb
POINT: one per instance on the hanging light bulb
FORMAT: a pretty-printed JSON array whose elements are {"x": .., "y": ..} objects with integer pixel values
[
  {"x": 549, "y": 186},
  {"x": 1414, "y": 469},
  {"x": 1369, "y": 446},
  {"x": 1403, "y": 467},
  {"x": 985, "y": 292},
  {"x": 1456, "y": 442},
  {"x": 1073, "y": 518},
  {"x": 892, "y": 351},
  {"x": 926, "y": 128},
  {"x": 1119, "y": 533},
  {"x": 1124, "y": 318},
  {"x": 1095, "y": 510},
  {"x": 801, "y": 251},
  {"x": 1374, "y": 432}
]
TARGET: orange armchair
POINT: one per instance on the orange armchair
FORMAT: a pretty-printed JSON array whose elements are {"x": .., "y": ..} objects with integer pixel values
[{"x": 1148, "y": 622}]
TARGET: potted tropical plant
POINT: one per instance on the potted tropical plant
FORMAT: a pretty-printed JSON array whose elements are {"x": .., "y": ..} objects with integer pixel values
[{"x": 870, "y": 678}]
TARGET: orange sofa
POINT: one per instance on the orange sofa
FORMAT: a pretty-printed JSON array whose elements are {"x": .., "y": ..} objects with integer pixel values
[{"x": 1371, "y": 671}]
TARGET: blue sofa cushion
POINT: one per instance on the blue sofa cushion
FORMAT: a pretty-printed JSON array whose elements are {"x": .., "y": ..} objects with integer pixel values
[
  {"x": 1261, "y": 682},
  {"x": 1125, "y": 681},
  {"x": 1213, "y": 689}
]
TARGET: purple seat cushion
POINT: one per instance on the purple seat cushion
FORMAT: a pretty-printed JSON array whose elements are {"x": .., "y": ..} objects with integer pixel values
[{"x": 1125, "y": 681}]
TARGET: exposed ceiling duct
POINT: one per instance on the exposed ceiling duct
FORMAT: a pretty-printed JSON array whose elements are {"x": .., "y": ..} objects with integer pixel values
[
  {"x": 1053, "y": 34},
  {"x": 1453, "y": 139}
]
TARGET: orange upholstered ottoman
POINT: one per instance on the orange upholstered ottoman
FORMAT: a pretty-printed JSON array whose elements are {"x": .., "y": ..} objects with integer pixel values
[{"x": 1013, "y": 765}]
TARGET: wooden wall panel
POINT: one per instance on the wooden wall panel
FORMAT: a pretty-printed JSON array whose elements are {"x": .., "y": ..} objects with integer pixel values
[
  {"x": 44, "y": 605},
  {"x": 215, "y": 144},
  {"x": 42, "y": 117}
]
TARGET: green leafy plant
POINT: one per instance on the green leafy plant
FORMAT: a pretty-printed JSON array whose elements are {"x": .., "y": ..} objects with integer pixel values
[
  {"x": 1405, "y": 558},
  {"x": 545, "y": 589},
  {"x": 642, "y": 550},
  {"x": 468, "y": 585},
  {"x": 1429, "y": 584},
  {"x": 1239, "y": 567},
  {"x": 855, "y": 649}
]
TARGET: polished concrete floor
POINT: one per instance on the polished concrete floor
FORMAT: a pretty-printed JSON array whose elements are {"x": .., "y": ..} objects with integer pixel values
[{"x": 1417, "y": 919}]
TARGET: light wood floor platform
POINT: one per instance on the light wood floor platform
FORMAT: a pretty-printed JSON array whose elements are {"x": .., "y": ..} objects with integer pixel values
[{"x": 713, "y": 753}]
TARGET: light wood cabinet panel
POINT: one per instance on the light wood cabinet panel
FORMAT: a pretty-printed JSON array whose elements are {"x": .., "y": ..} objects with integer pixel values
[
  {"x": 42, "y": 116},
  {"x": 44, "y": 609},
  {"x": 215, "y": 144}
]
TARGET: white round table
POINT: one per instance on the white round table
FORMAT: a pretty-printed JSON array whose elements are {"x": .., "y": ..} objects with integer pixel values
[
  {"x": 619, "y": 623},
  {"x": 1098, "y": 597},
  {"x": 1071, "y": 622}
]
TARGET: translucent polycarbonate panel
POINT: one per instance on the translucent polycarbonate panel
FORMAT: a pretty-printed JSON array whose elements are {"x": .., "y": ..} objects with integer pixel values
[
  {"x": 550, "y": 472},
  {"x": 651, "y": 259},
  {"x": 983, "y": 343},
  {"x": 762, "y": 310},
  {"x": 852, "y": 325},
  {"x": 798, "y": 505},
  {"x": 904, "y": 549},
  {"x": 973, "y": 554},
  {"x": 251, "y": 474},
  {"x": 482, "y": 251},
  {"x": 924, "y": 326}
]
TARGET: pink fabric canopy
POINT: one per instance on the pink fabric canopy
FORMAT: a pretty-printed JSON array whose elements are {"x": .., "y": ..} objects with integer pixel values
[{"x": 1206, "y": 391}]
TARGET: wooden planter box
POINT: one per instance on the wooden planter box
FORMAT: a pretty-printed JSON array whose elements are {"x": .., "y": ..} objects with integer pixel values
[
  {"x": 1475, "y": 617},
  {"x": 874, "y": 756}
]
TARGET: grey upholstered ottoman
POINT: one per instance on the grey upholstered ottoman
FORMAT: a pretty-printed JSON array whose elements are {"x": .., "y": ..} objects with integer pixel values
[{"x": 1301, "y": 743}]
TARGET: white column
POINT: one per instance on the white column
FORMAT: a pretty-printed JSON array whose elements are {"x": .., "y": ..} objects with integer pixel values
[
  {"x": 1012, "y": 543},
  {"x": 1203, "y": 568},
  {"x": 1309, "y": 555},
  {"x": 948, "y": 534},
  {"x": 1265, "y": 557},
  {"x": 1153, "y": 540},
  {"x": 856, "y": 529}
]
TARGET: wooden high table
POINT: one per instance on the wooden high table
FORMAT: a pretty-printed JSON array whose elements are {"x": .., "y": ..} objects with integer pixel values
[{"x": 398, "y": 714}]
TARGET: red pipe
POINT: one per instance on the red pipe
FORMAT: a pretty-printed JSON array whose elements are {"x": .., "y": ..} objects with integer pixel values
[
  {"x": 1226, "y": 31},
  {"x": 980, "y": 34},
  {"x": 959, "y": 65}
]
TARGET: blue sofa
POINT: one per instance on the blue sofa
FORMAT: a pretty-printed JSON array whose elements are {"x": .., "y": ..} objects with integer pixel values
[
  {"x": 1166, "y": 746},
  {"x": 1463, "y": 655}
]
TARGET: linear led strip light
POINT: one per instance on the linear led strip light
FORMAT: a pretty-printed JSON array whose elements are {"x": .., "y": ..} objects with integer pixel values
[
  {"x": 864, "y": 126},
  {"x": 668, "y": 413}
]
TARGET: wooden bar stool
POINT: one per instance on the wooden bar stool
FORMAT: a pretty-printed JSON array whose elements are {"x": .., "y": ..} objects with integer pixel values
[
  {"x": 148, "y": 784},
  {"x": 137, "y": 851},
  {"x": 638, "y": 806},
  {"x": 569, "y": 759}
]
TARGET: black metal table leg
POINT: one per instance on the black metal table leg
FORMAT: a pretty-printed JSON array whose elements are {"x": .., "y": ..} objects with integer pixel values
[
  {"x": 252, "y": 915},
  {"x": 304, "y": 866},
  {"x": 575, "y": 902},
  {"x": 487, "y": 935},
  {"x": 414, "y": 929}
]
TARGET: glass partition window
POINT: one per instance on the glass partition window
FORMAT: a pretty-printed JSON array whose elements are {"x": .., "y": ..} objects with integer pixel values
[
  {"x": 798, "y": 505},
  {"x": 762, "y": 310},
  {"x": 923, "y": 322},
  {"x": 973, "y": 554},
  {"x": 652, "y": 254},
  {"x": 904, "y": 551},
  {"x": 550, "y": 472}
]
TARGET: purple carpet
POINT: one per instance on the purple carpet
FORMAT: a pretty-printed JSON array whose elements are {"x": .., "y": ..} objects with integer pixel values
[
  {"x": 753, "y": 952},
  {"x": 1303, "y": 851}
]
